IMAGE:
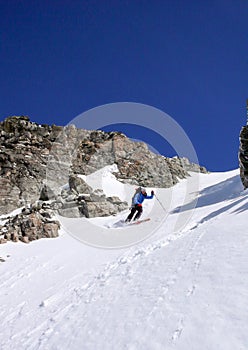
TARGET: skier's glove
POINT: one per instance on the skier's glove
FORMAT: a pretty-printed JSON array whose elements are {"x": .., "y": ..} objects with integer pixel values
[
  {"x": 152, "y": 193},
  {"x": 139, "y": 205}
]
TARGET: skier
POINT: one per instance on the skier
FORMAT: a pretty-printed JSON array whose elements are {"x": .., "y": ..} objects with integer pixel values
[{"x": 137, "y": 201}]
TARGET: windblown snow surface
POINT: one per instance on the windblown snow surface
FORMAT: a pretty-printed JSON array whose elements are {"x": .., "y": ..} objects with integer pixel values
[{"x": 184, "y": 289}]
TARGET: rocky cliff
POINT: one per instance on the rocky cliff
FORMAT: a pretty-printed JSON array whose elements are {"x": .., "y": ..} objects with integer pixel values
[
  {"x": 243, "y": 156},
  {"x": 36, "y": 161}
]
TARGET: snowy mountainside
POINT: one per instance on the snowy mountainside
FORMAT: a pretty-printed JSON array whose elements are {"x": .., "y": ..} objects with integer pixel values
[{"x": 182, "y": 287}]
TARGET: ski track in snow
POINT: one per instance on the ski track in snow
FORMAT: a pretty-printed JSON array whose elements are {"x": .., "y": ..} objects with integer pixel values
[
  {"x": 161, "y": 302},
  {"x": 73, "y": 298},
  {"x": 89, "y": 293}
]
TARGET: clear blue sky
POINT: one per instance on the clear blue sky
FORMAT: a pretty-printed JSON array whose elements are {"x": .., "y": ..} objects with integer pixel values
[{"x": 187, "y": 58}]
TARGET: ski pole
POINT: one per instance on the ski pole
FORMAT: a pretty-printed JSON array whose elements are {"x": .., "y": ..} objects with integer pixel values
[{"x": 160, "y": 202}]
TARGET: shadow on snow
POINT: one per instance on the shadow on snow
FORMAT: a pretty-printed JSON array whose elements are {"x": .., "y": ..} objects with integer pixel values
[
  {"x": 219, "y": 211},
  {"x": 220, "y": 192}
]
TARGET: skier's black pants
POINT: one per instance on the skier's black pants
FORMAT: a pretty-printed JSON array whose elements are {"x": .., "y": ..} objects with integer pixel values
[{"x": 139, "y": 210}]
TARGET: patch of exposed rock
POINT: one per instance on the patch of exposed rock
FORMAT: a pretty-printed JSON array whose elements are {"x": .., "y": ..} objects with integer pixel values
[
  {"x": 31, "y": 224},
  {"x": 80, "y": 200},
  {"x": 243, "y": 156}
]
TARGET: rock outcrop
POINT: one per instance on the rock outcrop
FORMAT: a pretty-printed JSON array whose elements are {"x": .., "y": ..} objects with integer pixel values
[
  {"x": 37, "y": 161},
  {"x": 31, "y": 224},
  {"x": 24, "y": 151},
  {"x": 243, "y": 156},
  {"x": 80, "y": 200},
  {"x": 136, "y": 163}
]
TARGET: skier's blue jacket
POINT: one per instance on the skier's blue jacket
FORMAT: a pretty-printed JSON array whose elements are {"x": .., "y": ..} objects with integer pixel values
[{"x": 139, "y": 198}]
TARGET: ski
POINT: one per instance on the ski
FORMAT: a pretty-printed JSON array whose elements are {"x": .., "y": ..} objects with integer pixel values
[
  {"x": 122, "y": 223},
  {"x": 138, "y": 221}
]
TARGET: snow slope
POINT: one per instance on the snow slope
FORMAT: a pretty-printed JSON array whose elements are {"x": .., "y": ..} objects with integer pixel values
[{"x": 183, "y": 287}]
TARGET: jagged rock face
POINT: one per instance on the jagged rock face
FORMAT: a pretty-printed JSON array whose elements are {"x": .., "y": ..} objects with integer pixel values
[
  {"x": 95, "y": 151},
  {"x": 140, "y": 166},
  {"x": 24, "y": 150},
  {"x": 37, "y": 160},
  {"x": 177, "y": 164},
  {"x": 243, "y": 156},
  {"x": 136, "y": 163}
]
